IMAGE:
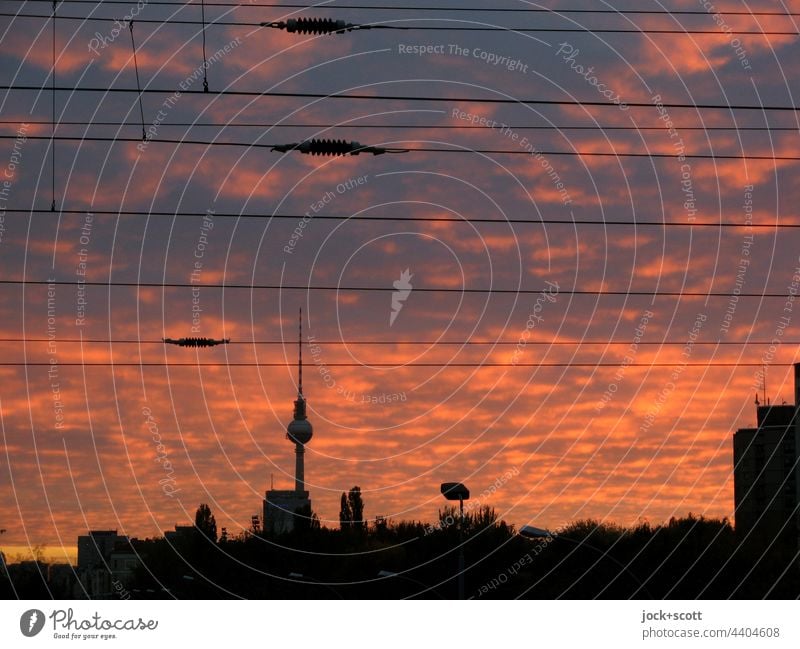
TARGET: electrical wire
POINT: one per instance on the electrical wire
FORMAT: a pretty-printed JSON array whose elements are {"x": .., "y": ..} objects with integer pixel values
[
  {"x": 205, "y": 58},
  {"x": 620, "y": 12},
  {"x": 383, "y": 289},
  {"x": 53, "y": 110},
  {"x": 279, "y": 147},
  {"x": 393, "y": 366},
  {"x": 420, "y": 127},
  {"x": 422, "y": 98},
  {"x": 138, "y": 84},
  {"x": 433, "y": 28},
  {"x": 444, "y": 219},
  {"x": 119, "y": 341}
]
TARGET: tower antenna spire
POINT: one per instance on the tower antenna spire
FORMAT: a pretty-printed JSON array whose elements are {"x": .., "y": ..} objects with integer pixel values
[{"x": 300, "y": 353}]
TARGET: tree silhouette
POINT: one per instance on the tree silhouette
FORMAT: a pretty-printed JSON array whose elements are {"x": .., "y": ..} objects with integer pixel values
[
  {"x": 381, "y": 525},
  {"x": 684, "y": 558},
  {"x": 255, "y": 525},
  {"x": 345, "y": 514},
  {"x": 475, "y": 520},
  {"x": 305, "y": 519},
  {"x": 205, "y": 522},
  {"x": 356, "y": 508},
  {"x": 351, "y": 512}
]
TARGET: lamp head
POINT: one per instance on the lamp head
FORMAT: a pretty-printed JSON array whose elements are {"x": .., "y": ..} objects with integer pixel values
[{"x": 455, "y": 491}]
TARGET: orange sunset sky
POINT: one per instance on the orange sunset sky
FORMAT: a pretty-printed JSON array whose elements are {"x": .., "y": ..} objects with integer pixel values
[{"x": 557, "y": 312}]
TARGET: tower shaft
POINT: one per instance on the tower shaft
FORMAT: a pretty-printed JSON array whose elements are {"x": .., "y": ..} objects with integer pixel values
[{"x": 299, "y": 468}]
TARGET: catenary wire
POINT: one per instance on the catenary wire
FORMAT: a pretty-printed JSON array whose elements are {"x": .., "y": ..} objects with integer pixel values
[
  {"x": 335, "y": 217},
  {"x": 613, "y": 154},
  {"x": 138, "y": 84},
  {"x": 394, "y": 366},
  {"x": 421, "y": 289},
  {"x": 433, "y": 28},
  {"x": 420, "y": 127},
  {"x": 122, "y": 341},
  {"x": 53, "y": 111},
  {"x": 665, "y": 12},
  {"x": 421, "y": 98}
]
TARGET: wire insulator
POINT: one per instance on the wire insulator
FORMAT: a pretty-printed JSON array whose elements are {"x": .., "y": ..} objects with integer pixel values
[
  {"x": 326, "y": 147},
  {"x": 333, "y": 147},
  {"x": 317, "y": 26},
  {"x": 196, "y": 342}
]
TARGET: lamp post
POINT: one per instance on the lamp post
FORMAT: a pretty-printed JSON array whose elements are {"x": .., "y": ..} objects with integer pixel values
[
  {"x": 457, "y": 491},
  {"x": 531, "y": 532}
]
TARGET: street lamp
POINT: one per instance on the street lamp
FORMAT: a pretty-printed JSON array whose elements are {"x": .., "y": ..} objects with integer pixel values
[
  {"x": 531, "y": 532},
  {"x": 457, "y": 491}
]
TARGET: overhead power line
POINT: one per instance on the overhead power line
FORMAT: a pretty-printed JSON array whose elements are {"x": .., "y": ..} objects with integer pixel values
[
  {"x": 555, "y": 343},
  {"x": 395, "y": 366},
  {"x": 340, "y": 147},
  {"x": 383, "y": 289},
  {"x": 419, "y": 127},
  {"x": 330, "y": 26},
  {"x": 53, "y": 110},
  {"x": 425, "y": 219},
  {"x": 422, "y": 98},
  {"x": 205, "y": 58},
  {"x": 556, "y": 11},
  {"x": 138, "y": 84}
]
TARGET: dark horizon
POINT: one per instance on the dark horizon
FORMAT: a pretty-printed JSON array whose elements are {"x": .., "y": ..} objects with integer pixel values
[{"x": 554, "y": 245}]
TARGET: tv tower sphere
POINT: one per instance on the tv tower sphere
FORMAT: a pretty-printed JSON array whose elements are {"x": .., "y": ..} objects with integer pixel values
[{"x": 300, "y": 430}]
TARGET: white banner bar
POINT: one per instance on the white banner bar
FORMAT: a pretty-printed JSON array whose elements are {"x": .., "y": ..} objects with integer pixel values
[{"x": 399, "y": 625}]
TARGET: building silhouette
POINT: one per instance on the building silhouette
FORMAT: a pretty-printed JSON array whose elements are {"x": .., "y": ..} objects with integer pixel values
[
  {"x": 281, "y": 507},
  {"x": 94, "y": 550},
  {"x": 106, "y": 561},
  {"x": 766, "y": 474},
  {"x": 181, "y": 533}
]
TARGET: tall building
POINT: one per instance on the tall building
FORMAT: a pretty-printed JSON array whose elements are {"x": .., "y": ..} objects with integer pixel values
[
  {"x": 282, "y": 506},
  {"x": 766, "y": 474},
  {"x": 106, "y": 562},
  {"x": 94, "y": 550}
]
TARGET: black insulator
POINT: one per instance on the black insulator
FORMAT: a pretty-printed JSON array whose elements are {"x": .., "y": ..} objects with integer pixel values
[
  {"x": 196, "y": 342},
  {"x": 333, "y": 147},
  {"x": 327, "y": 147},
  {"x": 317, "y": 26}
]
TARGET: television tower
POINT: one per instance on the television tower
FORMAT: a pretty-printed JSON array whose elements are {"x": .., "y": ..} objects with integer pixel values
[
  {"x": 300, "y": 430},
  {"x": 282, "y": 506}
]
